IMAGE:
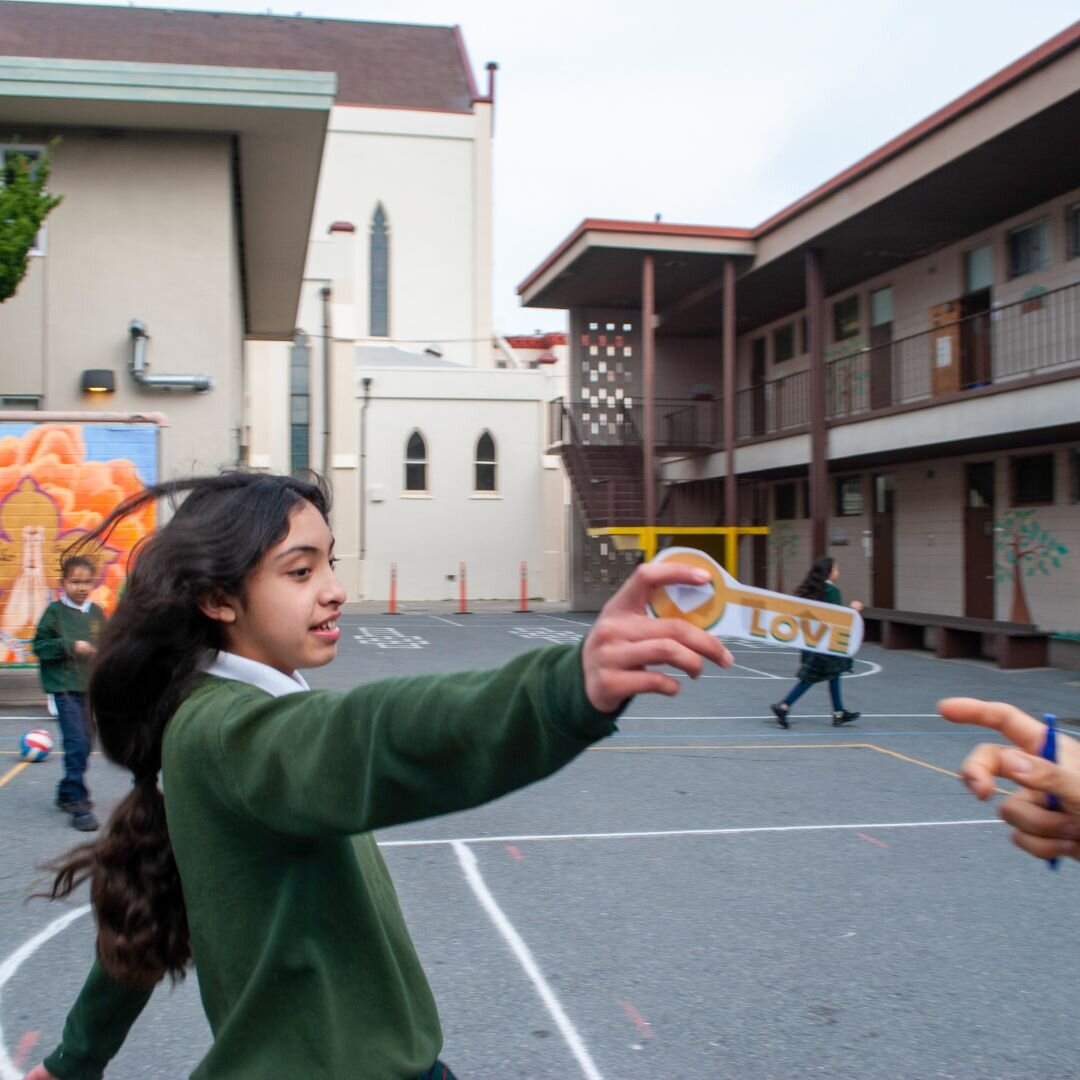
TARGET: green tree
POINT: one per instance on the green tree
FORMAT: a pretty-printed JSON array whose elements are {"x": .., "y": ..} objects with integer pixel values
[
  {"x": 1024, "y": 548},
  {"x": 24, "y": 205},
  {"x": 785, "y": 546}
]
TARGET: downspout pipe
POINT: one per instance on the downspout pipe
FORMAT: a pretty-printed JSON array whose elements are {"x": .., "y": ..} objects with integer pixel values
[
  {"x": 139, "y": 364},
  {"x": 363, "y": 466},
  {"x": 324, "y": 292}
]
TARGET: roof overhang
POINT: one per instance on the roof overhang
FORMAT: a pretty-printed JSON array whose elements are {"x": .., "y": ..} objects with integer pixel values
[
  {"x": 599, "y": 264},
  {"x": 278, "y": 118}
]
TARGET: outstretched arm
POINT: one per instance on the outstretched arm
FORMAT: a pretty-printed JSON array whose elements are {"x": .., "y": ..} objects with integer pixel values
[{"x": 1044, "y": 833}]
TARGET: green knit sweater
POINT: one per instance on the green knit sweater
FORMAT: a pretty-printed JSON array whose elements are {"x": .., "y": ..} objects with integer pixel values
[
  {"x": 57, "y": 631},
  {"x": 305, "y": 966}
]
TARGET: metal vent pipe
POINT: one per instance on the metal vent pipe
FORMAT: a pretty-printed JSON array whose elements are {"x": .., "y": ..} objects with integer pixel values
[{"x": 139, "y": 364}]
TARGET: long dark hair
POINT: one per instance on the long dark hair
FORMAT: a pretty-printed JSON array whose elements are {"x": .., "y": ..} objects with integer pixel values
[
  {"x": 148, "y": 661},
  {"x": 813, "y": 585}
]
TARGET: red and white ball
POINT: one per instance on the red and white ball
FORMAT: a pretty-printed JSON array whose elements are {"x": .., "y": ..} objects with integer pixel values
[{"x": 35, "y": 745}]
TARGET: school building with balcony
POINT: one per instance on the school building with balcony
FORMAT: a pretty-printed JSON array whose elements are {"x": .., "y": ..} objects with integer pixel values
[{"x": 887, "y": 371}]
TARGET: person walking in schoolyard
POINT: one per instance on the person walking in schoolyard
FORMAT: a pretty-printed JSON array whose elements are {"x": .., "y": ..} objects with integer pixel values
[
  {"x": 64, "y": 643},
  {"x": 820, "y": 584}
]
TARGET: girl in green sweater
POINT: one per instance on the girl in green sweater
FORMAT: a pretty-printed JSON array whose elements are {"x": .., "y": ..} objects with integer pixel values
[
  {"x": 820, "y": 584},
  {"x": 244, "y": 846}
]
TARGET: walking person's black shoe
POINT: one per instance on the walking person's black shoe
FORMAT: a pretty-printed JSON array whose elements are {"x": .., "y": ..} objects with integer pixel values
[
  {"x": 844, "y": 717},
  {"x": 84, "y": 820},
  {"x": 780, "y": 711}
]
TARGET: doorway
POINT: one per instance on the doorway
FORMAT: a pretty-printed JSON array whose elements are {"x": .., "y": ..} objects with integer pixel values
[
  {"x": 881, "y": 348},
  {"x": 883, "y": 523},
  {"x": 975, "y": 366},
  {"x": 979, "y": 541}
]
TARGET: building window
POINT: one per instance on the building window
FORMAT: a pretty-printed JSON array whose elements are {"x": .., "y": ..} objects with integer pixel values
[
  {"x": 1029, "y": 248},
  {"x": 1072, "y": 231},
  {"x": 786, "y": 502},
  {"x": 484, "y": 466},
  {"x": 380, "y": 274},
  {"x": 1074, "y": 475},
  {"x": 300, "y": 403},
  {"x": 978, "y": 269},
  {"x": 783, "y": 343},
  {"x": 8, "y": 156},
  {"x": 1033, "y": 480},
  {"x": 845, "y": 318},
  {"x": 849, "y": 496},
  {"x": 416, "y": 463}
]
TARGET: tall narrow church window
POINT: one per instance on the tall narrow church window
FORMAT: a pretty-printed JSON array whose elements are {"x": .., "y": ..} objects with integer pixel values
[
  {"x": 485, "y": 463},
  {"x": 299, "y": 402},
  {"x": 380, "y": 274},
  {"x": 416, "y": 463}
]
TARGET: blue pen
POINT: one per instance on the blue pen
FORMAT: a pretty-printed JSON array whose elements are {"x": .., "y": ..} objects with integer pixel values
[{"x": 1049, "y": 753}]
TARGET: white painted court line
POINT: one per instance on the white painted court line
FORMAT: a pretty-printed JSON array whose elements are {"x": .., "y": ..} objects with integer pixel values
[
  {"x": 559, "y": 618},
  {"x": 449, "y": 622},
  {"x": 13, "y": 963},
  {"x": 525, "y": 958},
  {"x": 808, "y": 716},
  {"x": 526, "y": 838},
  {"x": 743, "y": 667}
]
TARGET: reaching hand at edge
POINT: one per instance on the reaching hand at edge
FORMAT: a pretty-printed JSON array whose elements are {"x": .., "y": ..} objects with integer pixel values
[
  {"x": 625, "y": 642},
  {"x": 39, "y": 1072},
  {"x": 1044, "y": 833}
]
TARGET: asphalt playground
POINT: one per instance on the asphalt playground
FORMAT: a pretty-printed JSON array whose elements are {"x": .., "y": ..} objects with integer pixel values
[{"x": 702, "y": 895}]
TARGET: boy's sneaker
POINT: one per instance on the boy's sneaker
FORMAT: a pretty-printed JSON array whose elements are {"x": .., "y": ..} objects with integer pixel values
[
  {"x": 780, "y": 711},
  {"x": 84, "y": 821},
  {"x": 72, "y": 807},
  {"x": 844, "y": 717}
]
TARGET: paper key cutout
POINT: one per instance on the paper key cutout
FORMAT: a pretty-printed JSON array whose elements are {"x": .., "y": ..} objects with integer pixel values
[{"x": 727, "y": 609}]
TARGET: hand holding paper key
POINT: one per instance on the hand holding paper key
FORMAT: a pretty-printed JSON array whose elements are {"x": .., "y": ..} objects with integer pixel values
[{"x": 727, "y": 609}]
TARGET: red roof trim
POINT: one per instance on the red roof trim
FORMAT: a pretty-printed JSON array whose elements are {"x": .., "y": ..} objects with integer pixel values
[
  {"x": 536, "y": 341},
  {"x": 1026, "y": 65}
]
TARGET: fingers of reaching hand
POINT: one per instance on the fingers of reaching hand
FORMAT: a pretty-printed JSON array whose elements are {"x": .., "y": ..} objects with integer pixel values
[
  {"x": 636, "y": 590},
  {"x": 1015, "y": 725},
  {"x": 640, "y": 628}
]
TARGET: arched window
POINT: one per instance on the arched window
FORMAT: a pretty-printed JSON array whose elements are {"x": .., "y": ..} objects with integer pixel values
[
  {"x": 416, "y": 463},
  {"x": 299, "y": 402},
  {"x": 380, "y": 274},
  {"x": 484, "y": 466}
]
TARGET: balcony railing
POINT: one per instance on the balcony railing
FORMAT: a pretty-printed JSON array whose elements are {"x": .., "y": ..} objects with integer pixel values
[
  {"x": 1035, "y": 335},
  {"x": 681, "y": 423}
]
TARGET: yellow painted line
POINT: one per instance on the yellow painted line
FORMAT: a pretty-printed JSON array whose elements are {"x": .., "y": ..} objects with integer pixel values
[
  {"x": 12, "y": 773},
  {"x": 927, "y": 765}
]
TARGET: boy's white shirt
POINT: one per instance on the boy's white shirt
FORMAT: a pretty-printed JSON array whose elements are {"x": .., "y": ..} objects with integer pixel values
[
  {"x": 84, "y": 607},
  {"x": 227, "y": 665}
]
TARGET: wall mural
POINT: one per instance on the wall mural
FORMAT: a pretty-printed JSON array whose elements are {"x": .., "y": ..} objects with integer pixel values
[
  {"x": 57, "y": 482},
  {"x": 1024, "y": 548}
]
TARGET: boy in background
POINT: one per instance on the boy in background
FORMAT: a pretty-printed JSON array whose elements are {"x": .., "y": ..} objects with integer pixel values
[{"x": 65, "y": 641}]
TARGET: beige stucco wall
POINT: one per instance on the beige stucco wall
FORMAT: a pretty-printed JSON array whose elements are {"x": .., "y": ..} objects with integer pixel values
[
  {"x": 929, "y": 539},
  {"x": 146, "y": 231}
]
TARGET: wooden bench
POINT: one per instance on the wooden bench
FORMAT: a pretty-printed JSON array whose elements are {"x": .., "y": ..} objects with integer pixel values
[{"x": 1012, "y": 645}]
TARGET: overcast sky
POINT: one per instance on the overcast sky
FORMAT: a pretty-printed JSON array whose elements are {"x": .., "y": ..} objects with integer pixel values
[{"x": 717, "y": 112}]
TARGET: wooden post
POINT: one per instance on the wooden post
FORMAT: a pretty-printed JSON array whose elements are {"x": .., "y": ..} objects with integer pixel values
[
  {"x": 648, "y": 376},
  {"x": 731, "y": 505},
  {"x": 819, "y": 466}
]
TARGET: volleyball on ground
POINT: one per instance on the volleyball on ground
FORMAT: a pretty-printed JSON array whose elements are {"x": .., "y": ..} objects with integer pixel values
[{"x": 35, "y": 745}]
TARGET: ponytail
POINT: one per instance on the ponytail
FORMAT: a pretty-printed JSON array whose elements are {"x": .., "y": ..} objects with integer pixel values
[{"x": 150, "y": 656}]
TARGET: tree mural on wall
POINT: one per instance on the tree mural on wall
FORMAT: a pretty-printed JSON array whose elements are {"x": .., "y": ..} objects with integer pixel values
[
  {"x": 1024, "y": 548},
  {"x": 785, "y": 546}
]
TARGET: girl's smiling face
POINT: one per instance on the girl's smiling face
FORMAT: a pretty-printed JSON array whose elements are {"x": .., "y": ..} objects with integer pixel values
[{"x": 288, "y": 617}]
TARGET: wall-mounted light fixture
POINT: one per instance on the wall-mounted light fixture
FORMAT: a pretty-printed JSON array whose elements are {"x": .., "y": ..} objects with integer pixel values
[{"x": 98, "y": 381}]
